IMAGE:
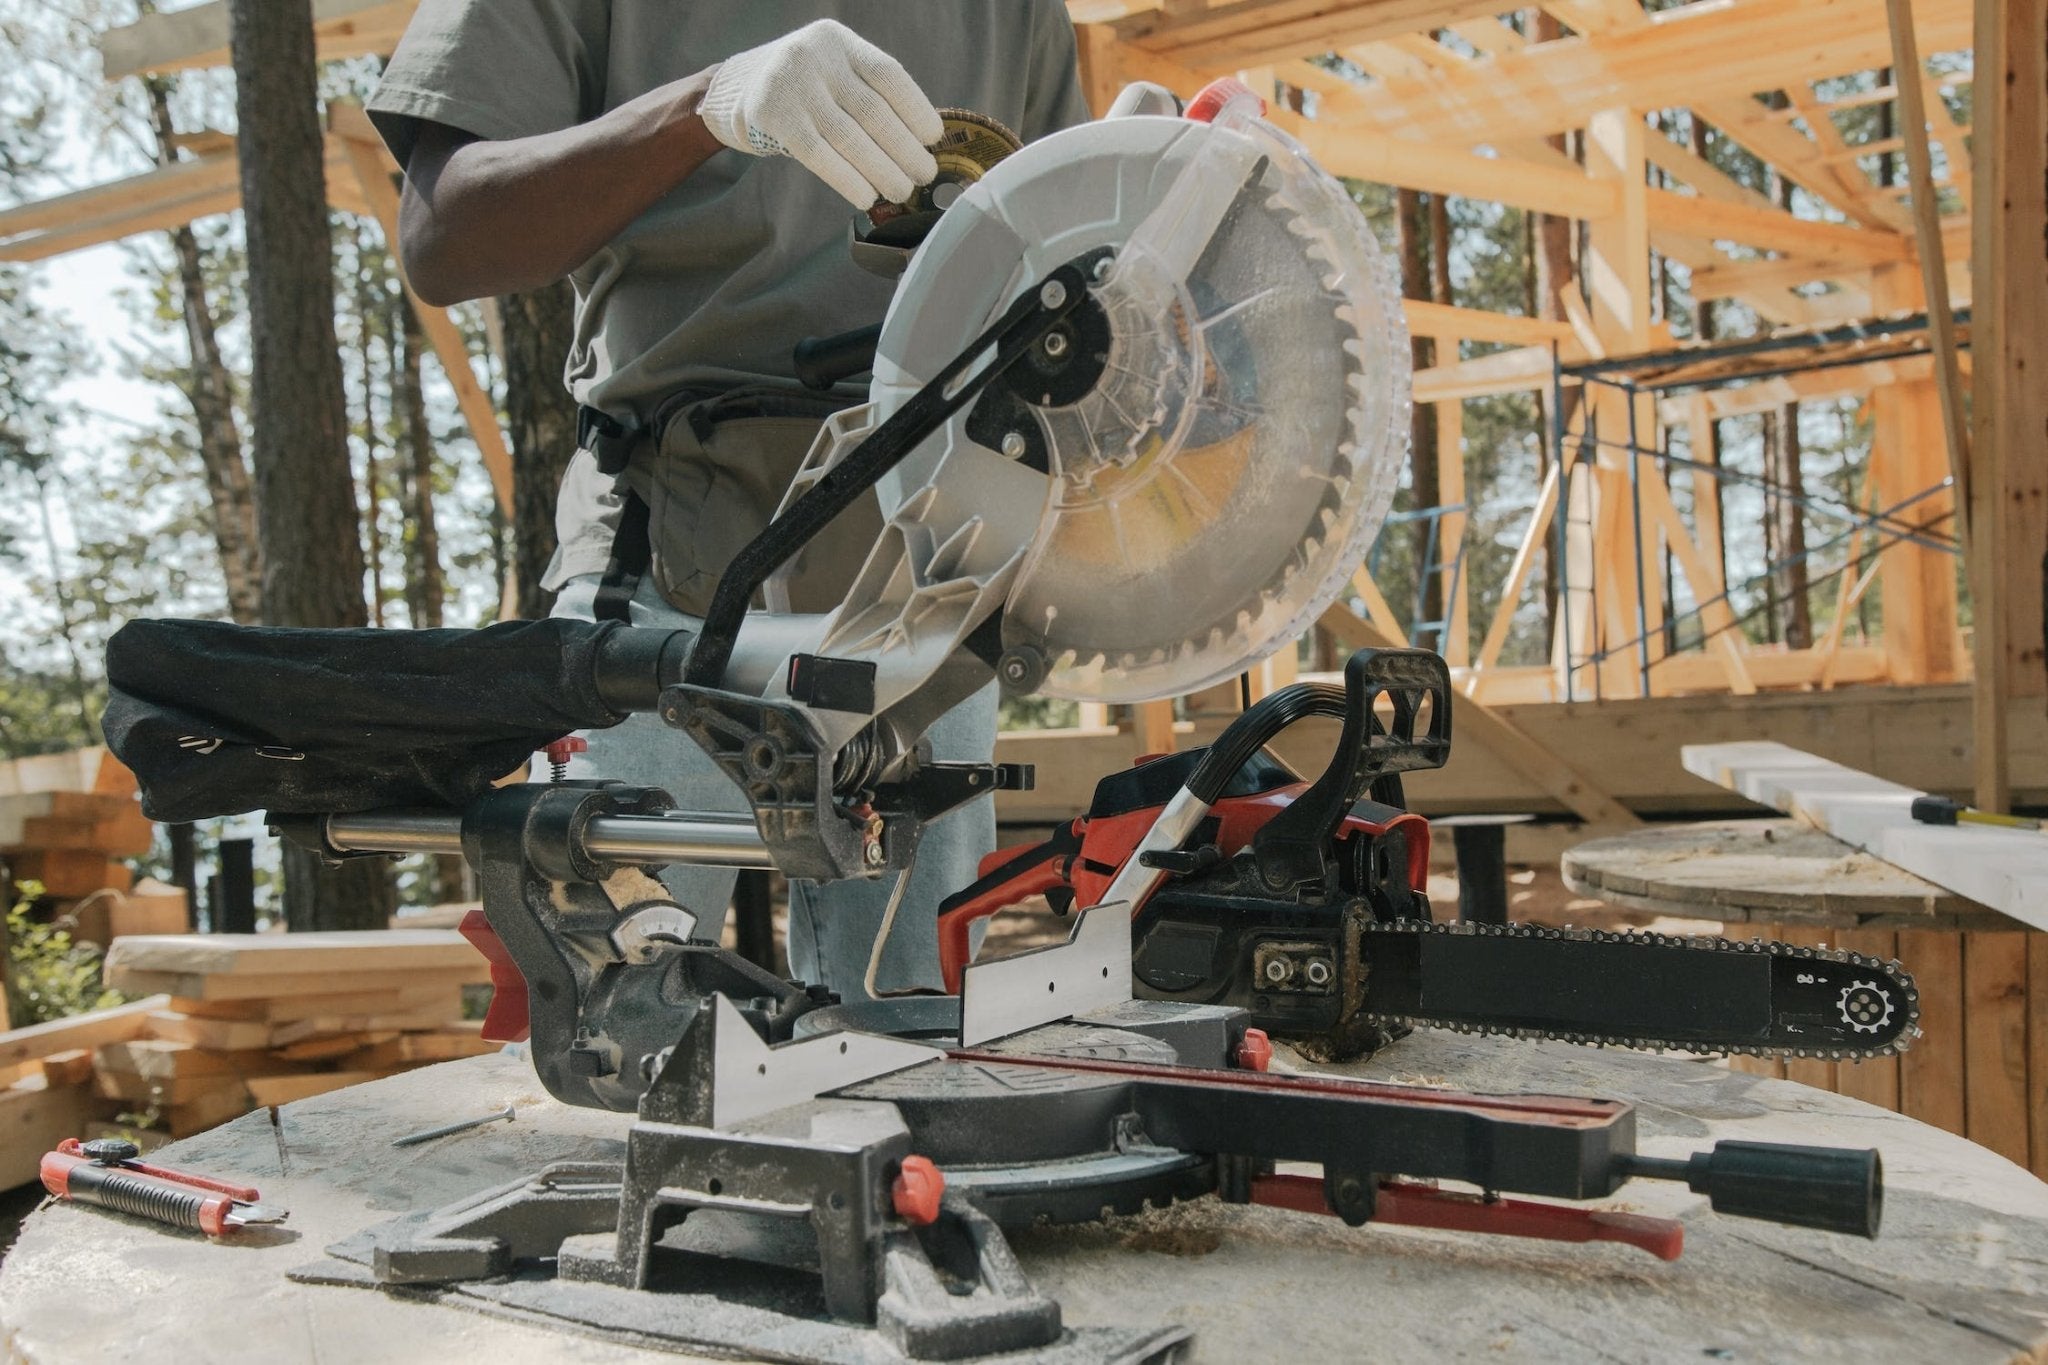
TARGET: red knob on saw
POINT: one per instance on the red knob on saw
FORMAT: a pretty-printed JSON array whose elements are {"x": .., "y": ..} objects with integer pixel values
[
  {"x": 1221, "y": 94},
  {"x": 917, "y": 1190},
  {"x": 561, "y": 751},
  {"x": 1254, "y": 1050}
]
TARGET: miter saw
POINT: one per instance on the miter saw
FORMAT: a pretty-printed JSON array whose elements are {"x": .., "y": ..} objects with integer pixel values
[{"x": 1137, "y": 411}]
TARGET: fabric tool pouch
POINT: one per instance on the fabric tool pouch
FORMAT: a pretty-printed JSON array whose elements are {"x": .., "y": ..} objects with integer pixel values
[
  {"x": 712, "y": 482},
  {"x": 219, "y": 719}
]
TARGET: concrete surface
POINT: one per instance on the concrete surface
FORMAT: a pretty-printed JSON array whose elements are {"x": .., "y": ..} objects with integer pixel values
[{"x": 1960, "y": 1275}]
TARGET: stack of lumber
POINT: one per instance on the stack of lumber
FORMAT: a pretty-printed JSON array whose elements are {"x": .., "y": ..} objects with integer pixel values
[
  {"x": 67, "y": 819},
  {"x": 231, "y": 1023}
]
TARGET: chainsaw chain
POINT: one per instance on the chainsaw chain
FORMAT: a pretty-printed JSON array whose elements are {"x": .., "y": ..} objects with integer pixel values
[{"x": 1893, "y": 969}]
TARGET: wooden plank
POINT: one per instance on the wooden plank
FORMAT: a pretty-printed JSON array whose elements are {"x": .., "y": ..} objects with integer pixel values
[
  {"x": 156, "y": 1092},
  {"x": 341, "y": 954},
  {"x": 1223, "y": 38},
  {"x": 1995, "y": 1043},
  {"x": 1446, "y": 322},
  {"x": 159, "y": 1059},
  {"x": 2037, "y": 1053},
  {"x": 67, "y": 1068},
  {"x": 2009, "y": 262},
  {"x": 80, "y": 1030},
  {"x": 1773, "y": 229},
  {"x": 1445, "y": 168},
  {"x": 34, "y": 1117},
  {"x": 300, "y": 989},
  {"x": 2004, "y": 869},
  {"x": 232, "y": 1035},
  {"x": 1931, "y": 1072},
  {"x": 1730, "y": 49},
  {"x": 197, "y": 36}
]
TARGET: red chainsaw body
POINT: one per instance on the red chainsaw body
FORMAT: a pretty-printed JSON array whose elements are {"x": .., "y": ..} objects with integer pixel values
[{"x": 1077, "y": 865}]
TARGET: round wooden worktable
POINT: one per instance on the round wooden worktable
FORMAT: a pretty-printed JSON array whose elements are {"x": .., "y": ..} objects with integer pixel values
[
  {"x": 1767, "y": 872},
  {"x": 1960, "y": 1274}
]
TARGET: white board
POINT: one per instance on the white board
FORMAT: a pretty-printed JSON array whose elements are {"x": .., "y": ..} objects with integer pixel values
[{"x": 2006, "y": 869}]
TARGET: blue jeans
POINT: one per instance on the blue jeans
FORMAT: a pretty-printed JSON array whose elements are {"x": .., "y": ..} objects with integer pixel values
[{"x": 832, "y": 926}]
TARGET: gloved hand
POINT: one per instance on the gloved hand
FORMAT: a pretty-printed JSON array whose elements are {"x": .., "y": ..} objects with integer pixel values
[{"x": 837, "y": 103}]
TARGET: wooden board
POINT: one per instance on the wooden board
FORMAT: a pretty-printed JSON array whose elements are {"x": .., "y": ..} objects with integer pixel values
[
  {"x": 143, "y": 1092},
  {"x": 224, "y": 1034},
  {"x": 34, "y": 1117},
  {"x": 1931, "y": 1071},
  {"x": 300, "y": 988},
  {"x": 156, "y": 1059},
  {"x": 2004, "y": 869},
  {"x": 347, "y": 955},
  {"x": 285, "y": 1089},
  {"x": 82, "y": 1030}
]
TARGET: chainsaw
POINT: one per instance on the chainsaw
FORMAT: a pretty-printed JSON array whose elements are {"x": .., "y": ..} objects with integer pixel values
[
  {"x": 1303, "y": 903},
  {"x": 1138, "y": 410}
]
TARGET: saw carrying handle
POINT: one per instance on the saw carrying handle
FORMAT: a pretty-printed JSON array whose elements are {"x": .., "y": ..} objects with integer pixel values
[
  {"x": 1835, "y": 1189},
  {"x": 1292, "y": 849}
]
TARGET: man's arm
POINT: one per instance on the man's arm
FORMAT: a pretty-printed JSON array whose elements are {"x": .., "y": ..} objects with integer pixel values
[
  {"x": 496, "y": 217},
  {"x": 483, "y": 218}
]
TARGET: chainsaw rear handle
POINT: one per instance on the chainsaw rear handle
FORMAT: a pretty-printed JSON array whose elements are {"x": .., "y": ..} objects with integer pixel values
[{"x": 1834, "y": 1189}]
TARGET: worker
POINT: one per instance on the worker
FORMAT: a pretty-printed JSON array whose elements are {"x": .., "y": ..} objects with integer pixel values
[{"x": 693, "y": 170}]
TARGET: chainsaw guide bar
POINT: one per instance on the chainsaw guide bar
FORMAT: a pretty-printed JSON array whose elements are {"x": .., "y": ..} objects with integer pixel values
[{"x": 1711, "y": 995}]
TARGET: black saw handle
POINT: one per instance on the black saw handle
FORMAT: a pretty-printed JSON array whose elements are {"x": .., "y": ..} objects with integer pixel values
[
  {"x": 1293, "y": 847},
  {"x": 1835, "y": 1189}
]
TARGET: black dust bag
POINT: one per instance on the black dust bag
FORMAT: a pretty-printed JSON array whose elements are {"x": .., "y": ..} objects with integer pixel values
[{"x": 219, "y": 719}]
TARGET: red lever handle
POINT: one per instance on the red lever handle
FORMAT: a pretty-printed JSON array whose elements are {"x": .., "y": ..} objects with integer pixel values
[
  {"x": 506, "y": 1021},
  {"x": 1408, "y": 1204}
]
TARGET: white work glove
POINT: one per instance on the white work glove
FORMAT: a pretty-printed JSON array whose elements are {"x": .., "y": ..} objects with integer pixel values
[{"x": 834, "y": 101}]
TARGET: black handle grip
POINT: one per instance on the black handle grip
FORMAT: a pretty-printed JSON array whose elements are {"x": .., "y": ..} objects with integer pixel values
[
  {"x": 822, "y": 362},
  {"x": 1835, "y": 1189}
]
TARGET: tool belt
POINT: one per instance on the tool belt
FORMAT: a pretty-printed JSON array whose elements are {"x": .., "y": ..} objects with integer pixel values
[{"x": 616, "y": 444}]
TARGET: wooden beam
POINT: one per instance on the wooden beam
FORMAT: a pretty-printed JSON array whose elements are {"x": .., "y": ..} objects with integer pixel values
[
  {"x": 1941, "y": 323},
  {"x": 1776, "y": 392},
  {"x": 197, "y": 36},
  {"x": 1222, "y": 38},
  {"x": 376, "y": 172},
  {"x": 1773, "y": 229},
  {"x": 1442, "y": 168},
  {"x": 1522, "y": 370},
  {"x": 2002, "y": 868},
  {"x": 2009, "y": 345},
  {"x": 1446, "y": 322},
  {"x": 1737, "y": 278},
  {"x": 1733, "y": 48}
]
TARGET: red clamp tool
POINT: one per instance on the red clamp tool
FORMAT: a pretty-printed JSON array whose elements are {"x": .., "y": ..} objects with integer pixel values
[{"x": 105, "y": 1173}]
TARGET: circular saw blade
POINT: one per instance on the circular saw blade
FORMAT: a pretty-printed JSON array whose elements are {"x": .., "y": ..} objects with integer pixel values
[{"x": 1214, "y": 488}]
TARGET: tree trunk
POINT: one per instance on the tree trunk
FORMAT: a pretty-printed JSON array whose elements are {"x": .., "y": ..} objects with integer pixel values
[
  {"x": 423, "y": 585},
  {"x": 306, "y": 520},
  {"x": 1412, "y": 216},
  {"x": 1707, "y": 444},
  {"x": 538, "y": 328},
  {"x": 1791, "y": 509},
  {"x": 1791, "y": 531},
  {"x": 371, "y": 316},
  {"x": 211, "y": 393}
]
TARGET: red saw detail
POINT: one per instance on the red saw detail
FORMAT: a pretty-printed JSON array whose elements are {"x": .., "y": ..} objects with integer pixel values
[
  {"x": 1218, "y": 95},
  {"x": 1407, "y": 1203},
  {"x": 1255, "y": 1050},
  {"x": 1080, "y": 861},
  {"x": 506, "y": 1021}
]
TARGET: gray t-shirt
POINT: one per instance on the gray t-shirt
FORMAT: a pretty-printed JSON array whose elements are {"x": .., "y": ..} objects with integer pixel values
[{"x": 715, "y": 284}]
